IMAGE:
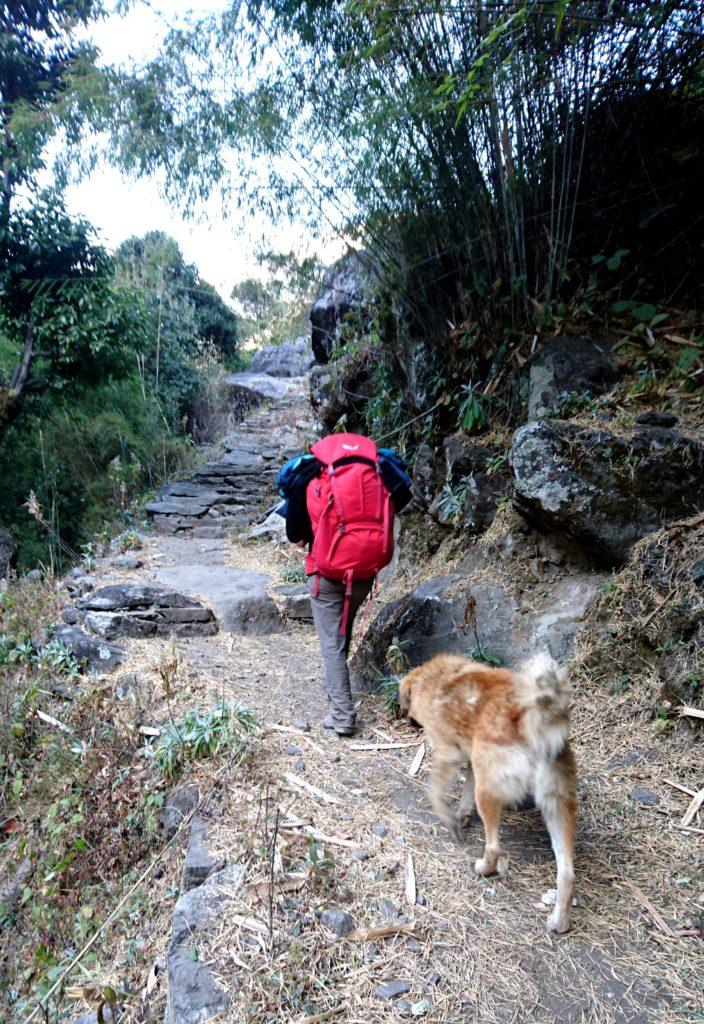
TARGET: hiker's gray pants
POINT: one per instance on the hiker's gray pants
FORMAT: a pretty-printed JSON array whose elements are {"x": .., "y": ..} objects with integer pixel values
[{"x": 328, "y": 608}]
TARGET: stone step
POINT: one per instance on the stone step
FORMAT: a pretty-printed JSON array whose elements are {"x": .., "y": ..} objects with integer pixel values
[{"x": 228, "y": 492}]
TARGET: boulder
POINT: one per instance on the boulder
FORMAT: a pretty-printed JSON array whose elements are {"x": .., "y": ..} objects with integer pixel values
[
  {"x": 565, "y": 365},
  {"x": 341, "y": 392},
  {"x": 431, "y": 619},
  {"x": 291, "y": 359},
  {"x": 326, "y": 396},
  {"x": 95, "y": 655},
  {"x": 240, "y": 599},
  {"x": 262, "y": 385},
  {"x": 8, "y": 553},
  {"x": 605, "y": 490},
  {"x": 344, "y": 288}
]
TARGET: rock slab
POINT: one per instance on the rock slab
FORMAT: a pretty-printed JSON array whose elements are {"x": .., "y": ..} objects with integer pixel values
[
  {"x": 144, "y": 610},
  {"x": 295, "y": 599},
  {"x": 199, "y": 863},
  {"x": 239, "y": 597}
]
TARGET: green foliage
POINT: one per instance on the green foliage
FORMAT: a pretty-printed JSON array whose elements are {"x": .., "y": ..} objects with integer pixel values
[
  {"x": 184, "y": 310},
  {"x": 294, "y": 572},
  {"x": 49, "y": 82},
  {"x": 201, "y": 734},
  {"x": 481, "y": 654},
  {"x": 452, "y": 502},
  {"x": 88, "y": 454},
  {"x": 388, "y": 687},
  {"x": 58, "y": 657},
  {"x": 473, "y": 150},
  {"x": 58, "y": 284},
  {"x": 473, "y": 413}
]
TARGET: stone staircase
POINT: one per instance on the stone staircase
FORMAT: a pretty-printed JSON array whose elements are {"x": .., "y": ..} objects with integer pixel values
[{"x": 228, "y": 493}]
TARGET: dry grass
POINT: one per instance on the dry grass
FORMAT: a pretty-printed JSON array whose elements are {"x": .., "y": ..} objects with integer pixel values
[
  {"x": 646, "y": 631},
  {"x": 484, "y": 937}
]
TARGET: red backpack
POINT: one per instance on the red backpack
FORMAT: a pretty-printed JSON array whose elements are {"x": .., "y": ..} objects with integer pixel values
[{"x": 351, "y": 512}]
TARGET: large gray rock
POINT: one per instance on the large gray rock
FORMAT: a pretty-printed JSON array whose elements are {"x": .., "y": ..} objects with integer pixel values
[
  {"x": 345, "y": 287},
  {"x": 326, "y": 396},
  {"x": 291, "y": 359},
  {"x": 604, "y": 490},
  {"x": 178, "y": 805},
  {"x": 430, "y": 620},
  {"x": 263, "y": 385},
  {"x": 340, "y": 393},
  {"x": 564, "y": 366},
  {"x": 96, "y": 655},
  {"x": 240, "y": 599},
  {"x": 8, "y": 553}
]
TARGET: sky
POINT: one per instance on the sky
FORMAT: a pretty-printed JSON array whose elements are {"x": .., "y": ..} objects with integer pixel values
[{"x": 220, "y": 245}]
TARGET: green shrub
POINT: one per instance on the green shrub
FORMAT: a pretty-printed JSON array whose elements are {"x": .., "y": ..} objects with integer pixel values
[{"x": 201, "y": 734}]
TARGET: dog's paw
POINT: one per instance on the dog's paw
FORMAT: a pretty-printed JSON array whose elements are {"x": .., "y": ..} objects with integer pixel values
[
  {"x": 502, "y": 866},
  {"x": 484, "y": 867},
  {"x": 558, "y": 922}
]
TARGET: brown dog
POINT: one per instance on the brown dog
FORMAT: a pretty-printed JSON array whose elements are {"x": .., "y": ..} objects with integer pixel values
[{"x": 510, "y": 730}]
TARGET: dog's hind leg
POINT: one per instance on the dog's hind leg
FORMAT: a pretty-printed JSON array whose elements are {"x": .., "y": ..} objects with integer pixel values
[
  {"x": 557, "y": 801},
  {"x": 467, "y": 805},
  {"x": 490, "y": 807}
]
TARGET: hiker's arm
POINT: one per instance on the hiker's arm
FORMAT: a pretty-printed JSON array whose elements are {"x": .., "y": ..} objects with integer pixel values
[{"x": 298, "y": 528}]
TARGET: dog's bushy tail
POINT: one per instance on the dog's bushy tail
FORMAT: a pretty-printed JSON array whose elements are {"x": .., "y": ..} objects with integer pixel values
[{"x": 543, "y": 691}]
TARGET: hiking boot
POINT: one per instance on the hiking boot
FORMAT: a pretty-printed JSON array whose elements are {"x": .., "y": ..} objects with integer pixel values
[{"x": 341, "y": 730}]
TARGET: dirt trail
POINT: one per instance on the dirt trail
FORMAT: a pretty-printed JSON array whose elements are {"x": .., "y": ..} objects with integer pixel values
[{"x": 340, "y": 827}]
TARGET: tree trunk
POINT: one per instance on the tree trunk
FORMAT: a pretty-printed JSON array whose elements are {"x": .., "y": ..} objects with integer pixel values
[{"x": 12, "y": 397}]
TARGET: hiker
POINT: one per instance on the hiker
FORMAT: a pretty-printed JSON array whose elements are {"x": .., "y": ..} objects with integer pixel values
[{"x": 340, "y": 502}]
